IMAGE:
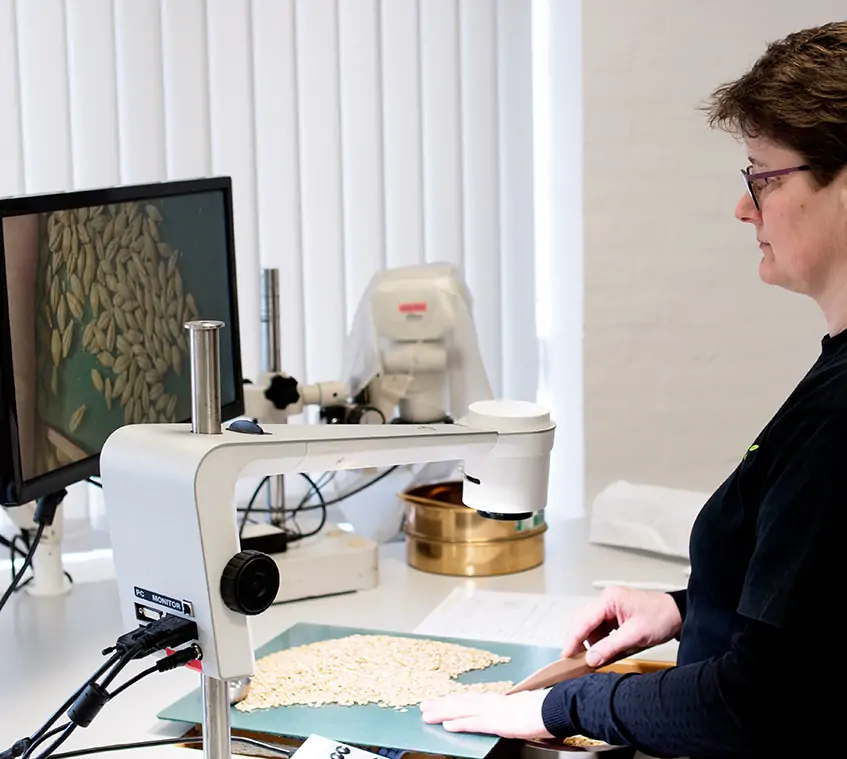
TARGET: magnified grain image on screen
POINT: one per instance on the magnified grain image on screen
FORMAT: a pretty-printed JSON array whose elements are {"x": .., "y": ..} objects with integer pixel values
[{"x": 98, "y": 300}]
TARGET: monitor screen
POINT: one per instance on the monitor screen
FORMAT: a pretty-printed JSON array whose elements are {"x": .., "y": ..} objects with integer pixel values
[{"x": 98, "y": 287}]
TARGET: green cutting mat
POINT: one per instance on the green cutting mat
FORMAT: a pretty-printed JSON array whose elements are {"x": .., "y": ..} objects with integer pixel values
[{"x": 372, "y": 725}]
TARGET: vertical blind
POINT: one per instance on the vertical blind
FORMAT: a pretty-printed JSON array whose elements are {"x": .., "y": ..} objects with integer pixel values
[{"x": 359, "y": 134}]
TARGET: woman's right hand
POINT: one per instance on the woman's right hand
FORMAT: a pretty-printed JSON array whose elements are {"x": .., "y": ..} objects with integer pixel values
[{"x": 621, "y": 622}]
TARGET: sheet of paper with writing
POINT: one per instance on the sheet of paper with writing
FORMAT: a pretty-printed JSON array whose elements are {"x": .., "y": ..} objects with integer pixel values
[{"x": 534, "y": 619}]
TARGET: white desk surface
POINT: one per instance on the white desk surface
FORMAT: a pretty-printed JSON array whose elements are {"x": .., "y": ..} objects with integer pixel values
[{"x": 48, "y": 647}]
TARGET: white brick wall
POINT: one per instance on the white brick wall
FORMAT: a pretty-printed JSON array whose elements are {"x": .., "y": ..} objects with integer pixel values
[{"x": 687, "y": 353}]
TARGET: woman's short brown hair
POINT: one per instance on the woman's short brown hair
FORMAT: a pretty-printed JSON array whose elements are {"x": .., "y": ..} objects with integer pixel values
[{"x": 796, "y": 96}]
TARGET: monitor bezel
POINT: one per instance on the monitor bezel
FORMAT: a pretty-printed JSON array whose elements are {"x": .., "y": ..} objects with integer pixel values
[{"x": 14, "y": 490}]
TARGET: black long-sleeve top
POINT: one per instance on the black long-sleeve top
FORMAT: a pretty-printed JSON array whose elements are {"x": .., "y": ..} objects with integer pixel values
[{"x": 754, "y": 673}]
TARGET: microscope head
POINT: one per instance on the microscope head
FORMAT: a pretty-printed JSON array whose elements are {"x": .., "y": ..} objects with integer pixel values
[{"x": 510, "y": 482}]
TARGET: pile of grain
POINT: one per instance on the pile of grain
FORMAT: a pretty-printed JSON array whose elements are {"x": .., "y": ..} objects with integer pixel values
[
  {"x": 580, "y": 741},
  {"x": 110, "y": 285},
  {"x": 390, "y": 671}
]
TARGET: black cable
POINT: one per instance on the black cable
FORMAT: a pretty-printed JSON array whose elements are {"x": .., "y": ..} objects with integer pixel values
[
  {"x": 94, "y": 482},
  {"x": 171, "y": 661},
  {"x": 39, "y": 734},
  {"x": 14, "y": 552},
  {"x": 27, "y": 561},
  {"x": 312, "y": 533},
  {"x": 13, "y": 568},
  {"x": 251, "y": 503},
  {"x": 66, "y": 733},
  {"x": 12, "y": 545},
  {"x": 85, "y": 704},
  {"x": 122, "y": 663},
  {"x": 322, "y": 506},
  {"x": 167, "y": 742},
  {"x": 46, "y": 737},
  {"x": 133, "y": 680},
  {"x": 313, "y": 489},
  {"x": 251, "y": 508},
  {"x": 340, "y": 498},
  {"x": 23, "y": 537},
  {"x": 45, "y": 511},
  {"x": 326, "y": 478}
]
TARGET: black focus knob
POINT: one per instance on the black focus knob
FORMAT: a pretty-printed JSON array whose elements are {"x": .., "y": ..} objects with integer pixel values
[
  {"x": 250, "y": 582},
  {"x": 282, "y": 391},
  {"x": 365, "y": 415},
  {"x": 334, "y": 414}
]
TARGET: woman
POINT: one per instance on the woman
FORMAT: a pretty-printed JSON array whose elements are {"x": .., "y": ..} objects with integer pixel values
[{"x": 752, "y": 675}]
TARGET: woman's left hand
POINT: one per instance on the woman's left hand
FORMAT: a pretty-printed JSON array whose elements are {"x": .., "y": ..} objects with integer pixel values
[{"x": 515, "y": 716}]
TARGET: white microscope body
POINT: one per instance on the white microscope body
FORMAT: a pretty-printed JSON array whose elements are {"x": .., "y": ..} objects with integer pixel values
[
  {"x": 168, "y": 492},
  {"x": 173, "y": 530}
]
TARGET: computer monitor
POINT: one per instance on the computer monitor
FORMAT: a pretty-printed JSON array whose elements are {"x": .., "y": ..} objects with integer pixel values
[{"x": 96, "y": 289}]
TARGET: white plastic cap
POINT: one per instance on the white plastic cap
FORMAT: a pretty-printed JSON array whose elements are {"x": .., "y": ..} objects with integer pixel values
[{"x": 508, "y": 416}]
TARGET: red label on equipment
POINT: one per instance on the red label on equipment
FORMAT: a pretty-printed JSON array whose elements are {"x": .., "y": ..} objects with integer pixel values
[{"x": 412, "y": 308}]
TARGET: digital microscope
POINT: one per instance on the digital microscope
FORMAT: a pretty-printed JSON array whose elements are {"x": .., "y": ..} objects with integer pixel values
[{"x": 169, "y": 489}]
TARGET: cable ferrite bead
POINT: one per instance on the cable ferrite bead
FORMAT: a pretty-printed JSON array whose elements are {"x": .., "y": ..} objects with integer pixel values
[
  {"x": 18, "y": 749},
  {"x": 88, "y": 705}
]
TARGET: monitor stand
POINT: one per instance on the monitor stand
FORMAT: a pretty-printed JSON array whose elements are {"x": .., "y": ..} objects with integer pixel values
[{"x": 48, "y": 574}]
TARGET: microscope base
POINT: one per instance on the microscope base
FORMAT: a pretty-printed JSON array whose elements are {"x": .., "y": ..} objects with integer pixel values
[{"x": 332, "y": 562}]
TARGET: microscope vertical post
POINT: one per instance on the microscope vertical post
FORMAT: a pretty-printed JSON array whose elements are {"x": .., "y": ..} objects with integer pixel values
[
  {"x": 271, "y": 352},
  {"x": 206, "y": 420},
  {"x": 204, "y": 343},
  {"x": 272, "y": 364}
]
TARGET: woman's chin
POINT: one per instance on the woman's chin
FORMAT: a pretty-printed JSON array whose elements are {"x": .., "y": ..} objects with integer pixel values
[
  {"x": 767, "y": 271},
  {"x": 770, "y": 274}
]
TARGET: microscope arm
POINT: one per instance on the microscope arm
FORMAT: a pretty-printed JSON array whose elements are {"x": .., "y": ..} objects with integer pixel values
[{"x": 169, "y": 496}]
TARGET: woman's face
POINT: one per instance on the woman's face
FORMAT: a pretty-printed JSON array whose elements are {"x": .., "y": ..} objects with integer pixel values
[{"x": 801, "y": 229}]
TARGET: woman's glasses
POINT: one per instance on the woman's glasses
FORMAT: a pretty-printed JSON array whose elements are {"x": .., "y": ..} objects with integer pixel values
[{"x": 757, "y": 182}]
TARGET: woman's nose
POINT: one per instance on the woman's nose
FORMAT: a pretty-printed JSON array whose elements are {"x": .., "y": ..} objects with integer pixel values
[{"x": 745, "y": 210}]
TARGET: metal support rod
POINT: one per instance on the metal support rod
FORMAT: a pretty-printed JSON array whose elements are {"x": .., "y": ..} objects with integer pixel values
[
  {"x": 204, "y": 339},
  {"x": 204, "y": 345},
  {"x": 272, "y": 354},
  {"x": 217, "y": 742},
  {"x": 276, "y": 500},
  {"x": 272, "y": 364}
]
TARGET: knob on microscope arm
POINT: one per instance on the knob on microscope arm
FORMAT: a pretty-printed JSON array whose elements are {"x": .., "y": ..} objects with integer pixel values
[{"x": 275, "y": 397}]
